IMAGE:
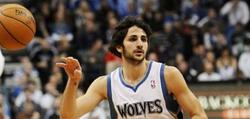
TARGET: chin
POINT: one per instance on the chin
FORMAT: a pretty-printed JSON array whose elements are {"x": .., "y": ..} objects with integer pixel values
[{"x": 139, "y": 58}]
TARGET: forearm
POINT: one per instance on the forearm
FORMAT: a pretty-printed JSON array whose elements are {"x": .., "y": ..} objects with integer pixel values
[{"x": 68, "y": 104}]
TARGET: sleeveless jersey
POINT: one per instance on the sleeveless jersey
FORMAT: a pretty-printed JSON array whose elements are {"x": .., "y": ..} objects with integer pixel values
[{"x": 149, "y": 99}]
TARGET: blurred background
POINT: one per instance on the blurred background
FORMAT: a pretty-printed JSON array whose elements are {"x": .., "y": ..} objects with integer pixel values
[{"x": 207, "y": 40}]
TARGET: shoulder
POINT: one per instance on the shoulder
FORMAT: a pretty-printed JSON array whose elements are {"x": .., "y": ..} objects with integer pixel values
[
  {"x": 99, "y": 85},
  {"x": 101, "y": 81},
  {"x": 101, "y": 78},
  {"x": 174, "y": 79},
  {"x": 171, "y": 71},
  {"x": 172, "y": 74}
]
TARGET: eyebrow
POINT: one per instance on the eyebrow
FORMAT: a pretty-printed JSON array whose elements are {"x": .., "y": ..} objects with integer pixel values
[{"x": 136, "y": 36}]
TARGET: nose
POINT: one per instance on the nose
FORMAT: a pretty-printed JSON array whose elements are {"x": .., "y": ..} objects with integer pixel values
[{"x": 139, "y": 44}]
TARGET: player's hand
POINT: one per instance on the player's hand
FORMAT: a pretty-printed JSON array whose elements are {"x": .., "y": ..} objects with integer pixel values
[{"x": 72, "y": 67}]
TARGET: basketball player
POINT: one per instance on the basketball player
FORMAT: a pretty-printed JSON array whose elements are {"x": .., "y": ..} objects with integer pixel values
[{"x": 139, "y": 89}]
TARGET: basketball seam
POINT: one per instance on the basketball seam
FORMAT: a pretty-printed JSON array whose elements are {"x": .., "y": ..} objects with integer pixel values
[
  {"x": 18, "y": 20},
  {"x": 11, "y": 34},
  {"x": 33, "y": 20},
  {"x": 0, "y": 42}
]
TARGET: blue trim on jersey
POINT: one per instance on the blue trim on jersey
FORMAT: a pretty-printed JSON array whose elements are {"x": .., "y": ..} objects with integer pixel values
[
  {"x": 171, "y": 104},
  {"x": 111, "y": 104},
  {"x": 135, "y": 87}
]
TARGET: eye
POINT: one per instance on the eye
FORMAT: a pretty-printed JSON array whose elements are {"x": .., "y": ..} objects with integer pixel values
[
  {"x": 144, "y": 39},
  {"x": 132, "y": 39}
]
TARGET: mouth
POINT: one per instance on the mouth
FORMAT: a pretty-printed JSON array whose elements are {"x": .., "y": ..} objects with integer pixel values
[{"x": 139, "y": 52}]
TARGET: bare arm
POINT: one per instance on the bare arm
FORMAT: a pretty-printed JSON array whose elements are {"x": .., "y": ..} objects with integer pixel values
[
  {"x": 176, "y": 84},
  {"x": 95, "y": 94},
  {"x": 70, "y": 107}
]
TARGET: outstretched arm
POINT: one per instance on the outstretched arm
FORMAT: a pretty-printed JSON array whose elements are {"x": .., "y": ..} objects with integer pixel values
[
  {"x": 70, "y": 107},
  {"x": 177, "y": 85}
]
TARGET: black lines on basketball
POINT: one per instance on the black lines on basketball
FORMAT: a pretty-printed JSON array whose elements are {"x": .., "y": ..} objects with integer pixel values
[
  {"x": 18, "y": 19},
  {"x": 11, "y": 34},
  {"x": 1, "y": 42}
]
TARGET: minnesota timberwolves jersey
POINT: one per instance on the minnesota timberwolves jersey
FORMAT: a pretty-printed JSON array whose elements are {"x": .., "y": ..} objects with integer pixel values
[{"x": 149, "y": 99}]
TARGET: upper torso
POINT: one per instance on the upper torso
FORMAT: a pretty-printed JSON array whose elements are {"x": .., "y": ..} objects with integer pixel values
[{"x": 148, "y": 99}]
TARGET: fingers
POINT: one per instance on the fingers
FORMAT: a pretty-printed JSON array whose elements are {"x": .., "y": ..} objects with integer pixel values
[
  {"x": 64, "y": 59},
  {"x": 76, "y": 72},
  {"x": 62, "y": 65},
  {"x": 69, "y": 61},
  {"x": 72, "y": 67},
  {"x": 77, "y": 64}
]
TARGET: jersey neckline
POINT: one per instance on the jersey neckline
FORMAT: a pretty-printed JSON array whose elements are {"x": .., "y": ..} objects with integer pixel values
[{"x": 134, "y": 88}]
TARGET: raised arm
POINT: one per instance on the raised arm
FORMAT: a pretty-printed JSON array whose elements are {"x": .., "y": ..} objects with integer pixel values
[
  {"x": 72, "y": 107},
  {"x": 186, "y": 99}
]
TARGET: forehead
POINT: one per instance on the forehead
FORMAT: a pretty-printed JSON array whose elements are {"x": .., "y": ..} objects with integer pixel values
[{"x": 135, "y": 30}]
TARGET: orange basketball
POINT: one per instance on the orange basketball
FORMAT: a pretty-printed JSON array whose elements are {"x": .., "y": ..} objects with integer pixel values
[{"x": 17, "y": 27}]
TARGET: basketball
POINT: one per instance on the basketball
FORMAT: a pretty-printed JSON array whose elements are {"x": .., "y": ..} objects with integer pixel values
[{"x": 17, "y": 27}]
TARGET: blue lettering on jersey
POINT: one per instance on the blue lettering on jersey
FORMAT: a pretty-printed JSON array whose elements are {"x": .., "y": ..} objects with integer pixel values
[{"x": 140, "y": 108}]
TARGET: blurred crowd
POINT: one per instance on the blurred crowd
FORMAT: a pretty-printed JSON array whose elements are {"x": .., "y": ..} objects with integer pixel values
[{"x": 207, "y": 40}]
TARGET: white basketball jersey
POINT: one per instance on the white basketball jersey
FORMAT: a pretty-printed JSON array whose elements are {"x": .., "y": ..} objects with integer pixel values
[{"x": 149, "y": 99}]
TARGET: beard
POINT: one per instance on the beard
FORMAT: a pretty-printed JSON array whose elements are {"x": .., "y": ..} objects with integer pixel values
[{"x": 131, "y": 58}]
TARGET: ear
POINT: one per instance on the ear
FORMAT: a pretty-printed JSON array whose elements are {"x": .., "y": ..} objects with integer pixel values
[{"x": 119, "y": 49}]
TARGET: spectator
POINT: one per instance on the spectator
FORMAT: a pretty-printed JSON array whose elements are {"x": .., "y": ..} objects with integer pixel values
[
  {"x": 30, "y": 92},
  {"x": 210, "y": 57},
  {"x": 87, "y": 35},
  {"x": 239, "y": 39},
  {"x": 112, "y": 22},
  {"x": 237, "y": 11},
  {"x": 227, "y": 65},
  {"x": 211, "y": 17},
  {"x": 126, "y": 7},
  {"x": 61, "y": 28},
  {"x": 244, "y": 63},
  {"x": 196, "y": 61},
  {"x": 93, "y": 59},
  {"x": 106, "y": 17},
  {"x": 209, "y": 74},
  {"x": 141, "y": 4},
  {"x": 28, "y": 111},
  {"x": 48, "y": 98},
  {"x": 81, "y": 14},
  {"x": 44, "y": 20},
  {"x": 213, "y": 39},
  {"x": 183, "y": 66},
  {"x": 167, "y": 43},
  {"x": 28, "y": 71},
  {"x": 153, "y": 56},
  {"x": 42, "y": 57},
  {"x": 148, "y": 12},
  {"x": 194, "y": 13}
]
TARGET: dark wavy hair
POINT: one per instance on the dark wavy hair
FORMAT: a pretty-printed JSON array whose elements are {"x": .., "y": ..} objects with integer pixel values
[{"x": 122, "y": 29}]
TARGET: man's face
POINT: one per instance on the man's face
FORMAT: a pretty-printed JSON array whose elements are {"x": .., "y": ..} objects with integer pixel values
[{"x": 135, "y": 45}]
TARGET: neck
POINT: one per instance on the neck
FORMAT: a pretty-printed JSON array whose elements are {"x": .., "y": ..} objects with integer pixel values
[{"x": 134, "y": 72}]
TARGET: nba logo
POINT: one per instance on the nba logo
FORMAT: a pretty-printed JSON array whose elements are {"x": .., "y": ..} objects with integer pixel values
[{"x": 152, "y": 84}]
